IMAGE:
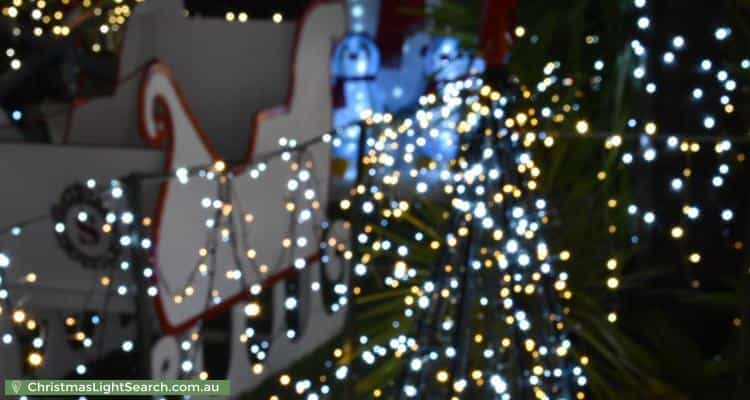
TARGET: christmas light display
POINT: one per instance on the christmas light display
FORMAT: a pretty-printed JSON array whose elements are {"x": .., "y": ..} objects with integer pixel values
[
  {"x": 482, "y": 313},
  {"x": 224, "y": 231},
  {"x": 708, "y": 130},
  {"x": 542, "y": 110},
  {"x": 442, "y": 209}
]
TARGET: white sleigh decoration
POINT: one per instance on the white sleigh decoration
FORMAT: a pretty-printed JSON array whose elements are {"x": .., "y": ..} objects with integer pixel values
[{"x": 249, "y": 233}]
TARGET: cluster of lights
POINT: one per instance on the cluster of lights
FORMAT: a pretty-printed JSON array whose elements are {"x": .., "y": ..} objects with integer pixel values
[
  {"x": 647, "y": 140},
  {"x": 488, "y": 180},
  {"x": 80, "y": 327},
  {"x": 465, "y": 149},
  {"x": 26, "y": 330},
  {"x": 243, "y": 17},
  {"x": 651, "y": 144},
  {"x": 126, "y": 229},
  {"x": 307, "y": 224},
  {"x": 58, "y": 18},
  {"x": 401, "y": 156},
  {"x": 491, "y": 184},
  {"x": 706, "y": 66}
]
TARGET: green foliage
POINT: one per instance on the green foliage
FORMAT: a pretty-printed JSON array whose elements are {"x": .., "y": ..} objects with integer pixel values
[{"x": 649, "y": 353}]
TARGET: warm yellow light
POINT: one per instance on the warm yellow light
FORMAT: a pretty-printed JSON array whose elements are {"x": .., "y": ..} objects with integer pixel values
[
  {"x": 219, "y": 166},
  {"x": 19, "y": 316},
  {"x": 613, "y": 283},
  {"x": 252, "y": 309},
  {"x": 612, "y": 317},
  {"x": 257, "y": 369},
  {"x": 31, "y": 324},
  {"x": 582, "y": 127},
  {"x": 35, "y": 359},
  {"x": 521, "y": 118}
]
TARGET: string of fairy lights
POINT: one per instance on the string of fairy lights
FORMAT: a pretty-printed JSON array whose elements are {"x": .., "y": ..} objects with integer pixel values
[
  {"x": 242, "y": 17},
  {"x": 480, "y": 185},
  {"x": 475, "y": 202},
  {"x": 493, "y": 235},
  {"x": 62, "y": 18},
  {"x": 82, "y": 326},
  {"x": 641, "y": 141},
  {"x": 650, "y": 142},
  {"x": 128, "y": 230}
]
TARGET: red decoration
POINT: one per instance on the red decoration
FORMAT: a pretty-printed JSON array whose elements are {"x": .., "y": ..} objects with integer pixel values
[
  {"x": 498, "y": 20},
  {"x": 395, "y": 25}
]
